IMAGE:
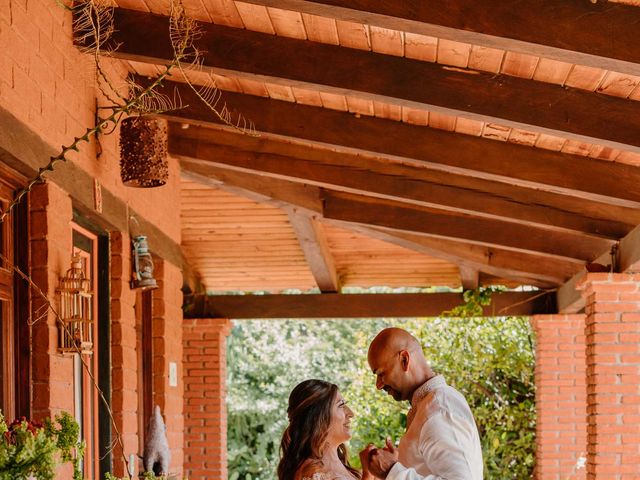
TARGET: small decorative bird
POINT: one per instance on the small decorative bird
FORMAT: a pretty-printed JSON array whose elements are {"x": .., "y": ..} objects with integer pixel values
[{"x": 156, "y": 448}]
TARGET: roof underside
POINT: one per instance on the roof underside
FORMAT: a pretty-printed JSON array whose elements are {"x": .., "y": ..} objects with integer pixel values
[{"x": 443, "y": 144}]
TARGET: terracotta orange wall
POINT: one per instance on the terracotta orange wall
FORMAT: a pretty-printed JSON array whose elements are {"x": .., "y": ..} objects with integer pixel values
[
  {"x": 167, "y": 348},
  {"x": 48, "y": 86},
  {"x": 561, "y": 397},
  {"x": 613, "y": 374},
  {"x": 52, "y": 373},
  {"x": 205, "y": 411}
]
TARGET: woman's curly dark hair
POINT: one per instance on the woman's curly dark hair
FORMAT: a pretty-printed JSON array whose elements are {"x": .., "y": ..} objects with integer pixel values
[{"x": 309, "y": 414}]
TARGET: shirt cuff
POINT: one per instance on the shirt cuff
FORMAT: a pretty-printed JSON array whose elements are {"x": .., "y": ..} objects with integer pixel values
[{"x": 395, "y": 470}]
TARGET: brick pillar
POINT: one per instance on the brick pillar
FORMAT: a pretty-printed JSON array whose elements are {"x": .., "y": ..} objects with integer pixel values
[
  {"x": 204, "y": 360},
  {"x": 561, "y": 398},
  {"x": 50, "y": 243},
  {"x": 124, "y": 360},
  {"x": 613, "y": 375},
  {"x": 167, "y": 349}
]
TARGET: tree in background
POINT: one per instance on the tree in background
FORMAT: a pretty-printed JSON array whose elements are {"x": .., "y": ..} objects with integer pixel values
[{"x": 489, "y": 360}]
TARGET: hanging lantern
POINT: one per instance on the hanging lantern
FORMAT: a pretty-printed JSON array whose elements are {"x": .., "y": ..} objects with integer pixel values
[
  {"x": 143, "y": 152},
  {"x": 142, "y": 265},
  {"x": 76, "y": 310}
]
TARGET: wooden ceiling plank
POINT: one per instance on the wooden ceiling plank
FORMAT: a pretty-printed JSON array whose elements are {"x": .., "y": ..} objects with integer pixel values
[
  {"x": 401, "y": 182},
  {"x": 531, "y": 269},
  {"x": 494, "y": 261},
  {"x": 286, "y": 193},
  {"x": 607, "y": 182},
  {"x": 316, "y": 251},
  {"x": 503, "y": 99},
  {"x": 546, "y": 28},
  {"x": 333, "y": 305}
]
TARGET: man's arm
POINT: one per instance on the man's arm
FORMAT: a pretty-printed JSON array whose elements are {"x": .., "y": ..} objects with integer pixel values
[{"x": 445, "y": 443}]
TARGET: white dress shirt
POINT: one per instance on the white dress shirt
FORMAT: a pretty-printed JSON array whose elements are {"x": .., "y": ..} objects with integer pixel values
[{"x": 442, "y": 440}]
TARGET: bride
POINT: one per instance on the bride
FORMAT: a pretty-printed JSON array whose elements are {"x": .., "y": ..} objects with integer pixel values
[{"x": 312, "y": 446}]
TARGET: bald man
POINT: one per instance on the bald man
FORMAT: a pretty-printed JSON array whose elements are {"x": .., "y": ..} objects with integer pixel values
[{"x": 442, "y": 440}]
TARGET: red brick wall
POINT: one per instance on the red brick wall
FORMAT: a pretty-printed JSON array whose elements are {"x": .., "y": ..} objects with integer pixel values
[
  {"x": 124, "y": 379},
  {"x": 613, "y": 375},
  {"x": 560, "y": 396},
  {"x": 205, "y": 391},
  {"x": 167, "y": 347},
  {"x": 51, "y": 247},
  {"x": 51, "y": 255},
  {"x": 48, "y": 86}
]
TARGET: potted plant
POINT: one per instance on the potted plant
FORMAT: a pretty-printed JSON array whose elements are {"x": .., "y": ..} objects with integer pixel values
[{"x": 32, "y": 450}]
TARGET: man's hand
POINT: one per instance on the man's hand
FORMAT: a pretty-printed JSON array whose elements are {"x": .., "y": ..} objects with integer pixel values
[{"x": 381, "y": 460}]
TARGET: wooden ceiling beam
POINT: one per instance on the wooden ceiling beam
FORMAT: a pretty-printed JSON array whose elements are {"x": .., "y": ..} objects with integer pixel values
[
  {"x": 517, "y": 102},
  {"x": 539, "y": 270},
  {"x": 527, "y": 268},
  {"x": 597, "y": 34},
  {"x": 598, "y": 180},
  {"x": 398, "y": 216},
  {"x": 625, "y": 258},
  {"x": 335, "y": 305},
  {"x": 398, "y": 181},
  {"x": 315, "y": 248},
  {"x": 469, "y": 277}
]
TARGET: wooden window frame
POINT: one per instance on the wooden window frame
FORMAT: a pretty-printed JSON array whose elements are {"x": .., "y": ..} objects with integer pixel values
[
  {"x": 15, "y": 332},
  {"x": 89, "y": 416}
]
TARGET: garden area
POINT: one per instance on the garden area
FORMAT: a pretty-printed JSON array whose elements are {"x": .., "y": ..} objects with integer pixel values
[{"x": 490, "y": 360}]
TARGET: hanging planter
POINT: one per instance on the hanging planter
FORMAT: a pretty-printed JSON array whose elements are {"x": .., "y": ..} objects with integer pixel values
[{"x": 143, "y": 152}]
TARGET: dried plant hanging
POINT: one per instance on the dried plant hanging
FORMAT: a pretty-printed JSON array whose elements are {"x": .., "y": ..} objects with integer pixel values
[{"x": 143, "y": 152}]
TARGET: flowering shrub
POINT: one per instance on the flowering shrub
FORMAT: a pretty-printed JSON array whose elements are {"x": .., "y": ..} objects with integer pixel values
[{"x": 30, "y": 449}]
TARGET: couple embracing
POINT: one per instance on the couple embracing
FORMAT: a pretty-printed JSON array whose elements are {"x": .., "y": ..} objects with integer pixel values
[{"x": 441, "y": 441}]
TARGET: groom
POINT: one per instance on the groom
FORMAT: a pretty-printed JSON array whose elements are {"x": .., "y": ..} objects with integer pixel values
[{"x": 442, "y": 440}]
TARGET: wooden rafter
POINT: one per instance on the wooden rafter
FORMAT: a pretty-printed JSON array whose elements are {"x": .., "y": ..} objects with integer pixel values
[
  {"x": 398, "y": 181},
  {"x": 516, "y": 164},
  {"x": 469, "y": 277},
  {"x": 513, "y": 101},
  {"x": 529, "y": 268},
  {"x": 398, "y": 216},
  {"x": 599, "y": 34},
  {"x": 625, "y": 257},
  {"x": 358, "y": 305},
  {"x": 316, "y": 251}
]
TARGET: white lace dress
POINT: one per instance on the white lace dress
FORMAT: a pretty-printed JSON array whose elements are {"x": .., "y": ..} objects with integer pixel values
[{"x": 327, "y": 476}]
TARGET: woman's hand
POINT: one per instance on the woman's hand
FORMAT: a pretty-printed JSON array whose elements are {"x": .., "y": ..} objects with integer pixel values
[{"x": 365, "y": 458}]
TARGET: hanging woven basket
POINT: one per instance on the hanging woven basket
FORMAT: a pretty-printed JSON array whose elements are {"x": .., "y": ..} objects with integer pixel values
[{"x": 143, "y": 152}]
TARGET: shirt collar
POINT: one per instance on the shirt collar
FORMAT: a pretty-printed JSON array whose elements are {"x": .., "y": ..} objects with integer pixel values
[{"x": 430, "y": 385}]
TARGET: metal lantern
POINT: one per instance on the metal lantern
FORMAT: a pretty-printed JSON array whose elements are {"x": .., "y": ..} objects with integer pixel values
[
  {"x": 143, "y": 152},
  {"x": 142, "y": 265},
  {"x": 76, "y": 310}
]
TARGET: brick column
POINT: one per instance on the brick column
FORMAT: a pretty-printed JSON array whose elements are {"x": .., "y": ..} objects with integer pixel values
[
  {"x": 561, "y": 398},
  {"x": 124, "y": 360},
  {"x": 167, "y": 349},
  {"x": 204, "y": 361},
  {"x": 613, "y": 375},
  {"x": 50, "y": 245}
]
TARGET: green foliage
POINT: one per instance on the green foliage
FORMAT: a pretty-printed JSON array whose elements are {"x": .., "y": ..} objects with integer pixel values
[
  {"x": 145, "y": 476},
  {"x": 489, "y": 360},
  {"x": 29, "y": 449}
]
